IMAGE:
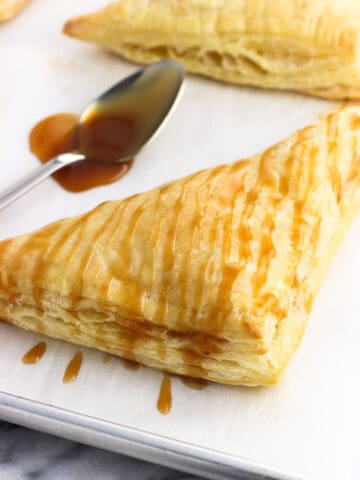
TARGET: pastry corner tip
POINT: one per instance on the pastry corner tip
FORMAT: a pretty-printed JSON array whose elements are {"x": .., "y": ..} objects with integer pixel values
[
  {"x": 11, "y": 9},
  {"x": 71, "y": 27},
  {"x": 79, "y": 27}
]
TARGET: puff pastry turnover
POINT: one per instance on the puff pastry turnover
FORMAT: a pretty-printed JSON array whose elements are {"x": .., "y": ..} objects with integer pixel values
[
  {"x": 211, "y": 276},
  {"x": 9, "y": 8},
  {"x": 306, "y": 45}
]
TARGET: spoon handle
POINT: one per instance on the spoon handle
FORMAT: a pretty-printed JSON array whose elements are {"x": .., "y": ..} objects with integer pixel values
[{"x": 29, "y": 181}]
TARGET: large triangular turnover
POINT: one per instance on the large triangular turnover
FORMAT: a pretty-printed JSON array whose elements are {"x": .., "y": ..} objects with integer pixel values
[{"x": 211, "y": 276}]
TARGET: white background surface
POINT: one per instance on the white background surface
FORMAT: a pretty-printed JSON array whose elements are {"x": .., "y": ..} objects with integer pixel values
[{"x": 306, "y": 426}]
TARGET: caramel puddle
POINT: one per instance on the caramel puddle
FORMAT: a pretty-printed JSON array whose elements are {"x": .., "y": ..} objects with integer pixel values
[{"x": 58, "y": 134}]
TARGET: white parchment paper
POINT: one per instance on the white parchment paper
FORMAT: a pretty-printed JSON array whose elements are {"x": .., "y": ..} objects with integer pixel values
[{"x": 309, "y": 424}]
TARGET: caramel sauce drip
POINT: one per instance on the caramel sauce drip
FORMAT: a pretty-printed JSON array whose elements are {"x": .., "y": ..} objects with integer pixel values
[
  {"x": 130, "y": 364},
  {"x": 198, "y": 347},
  {"x": 34, "y": 354},
  {"x": 168, "y": 256},
  {"x": 112, "y": 226},
  {"x": 164, "y": 402},
  {"x": 40, "y": 268},
  {"x": 73, "y": 368},
  {"x": 195, "y": 383},
  {"x": 59, "y": 134},
  {"x": 106, "y": 359},
  {"x": 233, "y": 186}
]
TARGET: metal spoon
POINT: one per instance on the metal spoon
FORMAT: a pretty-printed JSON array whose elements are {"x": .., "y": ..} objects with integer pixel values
[{"x": 138, "y": 105}]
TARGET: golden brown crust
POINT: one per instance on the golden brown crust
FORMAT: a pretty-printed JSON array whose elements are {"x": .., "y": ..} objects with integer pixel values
[
  {"x": 9, "y": 8},
  {"x": 212, "y": 275},
  {"x": 307, "y": 45}
]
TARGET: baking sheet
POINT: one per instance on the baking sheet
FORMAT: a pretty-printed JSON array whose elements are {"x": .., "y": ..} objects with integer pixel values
[{"x": 307, "y": 427}]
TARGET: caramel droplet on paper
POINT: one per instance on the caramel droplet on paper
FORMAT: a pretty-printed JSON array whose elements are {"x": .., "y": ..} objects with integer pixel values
[
  {"x": 73, "y": 368},
  {"x": 164, "y": 402},
  {"x": 34, "y": 354}
]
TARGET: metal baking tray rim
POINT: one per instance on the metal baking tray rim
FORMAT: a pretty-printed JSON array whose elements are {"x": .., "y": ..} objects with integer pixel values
[{"x": 132, "y": 442}]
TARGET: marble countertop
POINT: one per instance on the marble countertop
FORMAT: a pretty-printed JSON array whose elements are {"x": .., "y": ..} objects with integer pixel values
[{"x": 29, "y": 455}]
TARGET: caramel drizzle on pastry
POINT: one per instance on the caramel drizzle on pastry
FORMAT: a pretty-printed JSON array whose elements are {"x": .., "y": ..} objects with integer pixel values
[{"x": 191, "y": 269}]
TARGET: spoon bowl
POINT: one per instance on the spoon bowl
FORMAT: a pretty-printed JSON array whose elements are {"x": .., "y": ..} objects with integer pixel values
[
  {"x": 118, "y": 124},
  {"x": 121, "y": 121}
]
